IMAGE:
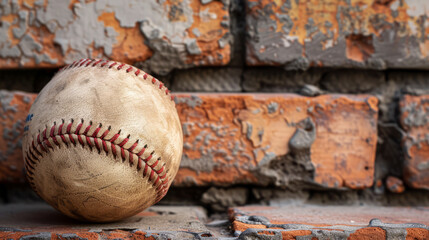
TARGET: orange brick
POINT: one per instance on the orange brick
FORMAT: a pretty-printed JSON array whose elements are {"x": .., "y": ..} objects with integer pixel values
[
  {"x": 52, "y": 33},
  {"x": 232, "y": 139},
  {"x": 336, "y": 33},
  {"x": 415, "y": 121},
  {"x": 417, "y": 234},
  {"x": 14, "y": 108},
  {"x": 368, "y": 233},
  {"x": 395, "y": 184},
  {"x": 294, "y": 234}
]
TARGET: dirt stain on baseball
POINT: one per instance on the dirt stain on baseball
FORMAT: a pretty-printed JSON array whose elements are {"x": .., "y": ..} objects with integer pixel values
[{"x": 85, "y": 81}]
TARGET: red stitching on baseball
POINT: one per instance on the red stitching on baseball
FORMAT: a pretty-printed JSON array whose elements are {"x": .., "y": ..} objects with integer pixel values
[
  {"x": 161, "y": 169},
  {"x": 69, "y": 127},
  {"x": 130, "y": 156},
  {"x": 96, "y": 132},
  {"x": 90, "y": 140},
  {"x": 145, "y": 170},
  {"x": 79, "y": 138},
  {"x": 53, "y": 137},
  {"x": 154, "y": 164},
  {"x": 151, "y": 174},
  {"x": 133, "y": 146},
  {"x": 105, "y": 133},
  {"x": 97, "y": 62},
  {"x": 44, "y": 133},
  {"x": 137, "y": 72},
  {"x": 78, "y": 128},
  {"x": 120, "y": 66},
  {"x": 88, "y": 63},
  {"x": 80, "y": 65},
  {"x": 124, "y": 141},
  {"x": 123, "y": 154},
  {"x": 129, "y": 69},
  {"x": 37, "y": 151},
  {"x": 113, "y": 64},
  {"x": 47, "y": 143},
  {"x": 142, "y": 151},
  {"x": 113, "y": 147},
  {"x": 104, "y": 64},
  {"x": 156, "y": 181},
  {"x": 148, "y": 158},
  {"x": 105, "y": 146}
]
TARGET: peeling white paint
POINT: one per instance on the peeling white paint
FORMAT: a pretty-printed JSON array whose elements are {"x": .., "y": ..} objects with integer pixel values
[{"x": 417, "y": 8}]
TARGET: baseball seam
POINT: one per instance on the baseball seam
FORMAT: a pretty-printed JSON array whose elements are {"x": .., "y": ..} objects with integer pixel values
[
  {"x": 96, "y": 138},
  {"x": 119, "y": 66}
]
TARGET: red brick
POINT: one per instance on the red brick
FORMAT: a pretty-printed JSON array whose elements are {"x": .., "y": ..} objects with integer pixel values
[
  {"x": 336, "y": 33},
  {"x": 230, "y": 139},
  {"x": 369, "y": 233},
  {"x": 185, "y": 33},
  {"x": 295, "y": 233},
  {"x": 415, "y": 121},
  {"x": 14, "y": 107},
  {"x": 395, "y": 184},
  {"x": 417, "y": 234}
]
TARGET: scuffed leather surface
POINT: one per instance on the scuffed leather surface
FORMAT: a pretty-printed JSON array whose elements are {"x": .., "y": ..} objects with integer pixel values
[{"x": 93, "y": 185}]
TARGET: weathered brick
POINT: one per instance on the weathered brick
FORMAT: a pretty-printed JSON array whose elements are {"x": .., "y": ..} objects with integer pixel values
[
  {"x": 357, "y": 33},
  {"x": 399, "y": 83},
  {"x": 368, "y": 233},
  {"x": 164, "y": 35},
  {"x": 266, "y": 139},
  {"x": 415, "y": 121},
  {"x": 395, "y": 184},
  {"x": 417, "y": 234},
  {"x": 277, "y": 139},
  {"x": 334, "y": 222},
  {"x": 13, "y": 112}
]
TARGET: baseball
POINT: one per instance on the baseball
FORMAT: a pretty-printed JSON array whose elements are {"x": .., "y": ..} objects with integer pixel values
[{"x": 102, "y": 141}]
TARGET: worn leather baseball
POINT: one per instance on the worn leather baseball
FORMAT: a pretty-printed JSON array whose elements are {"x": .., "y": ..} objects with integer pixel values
[{"x": 102, "y": 141}]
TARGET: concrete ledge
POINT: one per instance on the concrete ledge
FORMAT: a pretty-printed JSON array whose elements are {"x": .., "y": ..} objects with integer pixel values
[
  {"x": 333, "y": 222},
  {"x": 40, "y": 221}
]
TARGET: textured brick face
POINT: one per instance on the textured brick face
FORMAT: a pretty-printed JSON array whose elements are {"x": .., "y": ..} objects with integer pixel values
[
  {"x": 254, "y": 139},
  {"x": 277, "y": 139},
  {"x": 165, "y": 34},
  {"x": 13, "y": 111},
  {"x": 415, "y": 121},
  {"x": 358, "y": 33}
]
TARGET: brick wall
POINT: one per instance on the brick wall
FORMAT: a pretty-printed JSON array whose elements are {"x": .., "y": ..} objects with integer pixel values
[{"x": 280, "y": 101}]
